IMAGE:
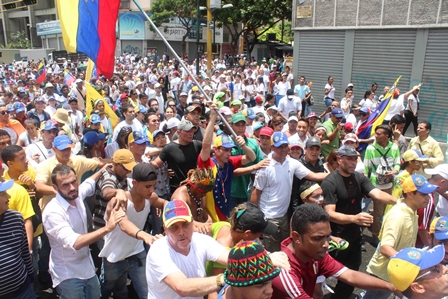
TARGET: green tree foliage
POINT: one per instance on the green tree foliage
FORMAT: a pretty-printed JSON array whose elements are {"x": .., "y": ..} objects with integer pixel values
[
  {"x": 287, "y": 37},
  {"x": 252, "y": 18},
  {"x": 18, "y": 40},
  {"x": 185, "y": 10}
]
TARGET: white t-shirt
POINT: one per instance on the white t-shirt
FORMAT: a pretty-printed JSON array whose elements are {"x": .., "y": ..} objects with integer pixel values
[
  {"x": 40, "y": 149},
  {"x": 283, "y": 87},
  {"x": 136, "y": 126},
  {"x": 396, "y": 106},
  {"x": 331, "y": 93},
  {"x": 26, "y": 140},
  {"x": 163, "y": 260},
  {"x": 414, "y": 103},
  {"x": 275, "y": 181},
  {"x": 286, "y": 105}
]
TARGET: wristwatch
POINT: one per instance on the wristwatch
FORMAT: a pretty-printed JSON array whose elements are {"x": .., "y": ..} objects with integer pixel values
[{"x": 218, "y": 280}]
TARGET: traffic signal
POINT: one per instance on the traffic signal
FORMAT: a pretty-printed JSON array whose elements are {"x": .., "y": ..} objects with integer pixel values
[
  {"x": 29, "y": 2},
  {"x": 9, "y": 6}
]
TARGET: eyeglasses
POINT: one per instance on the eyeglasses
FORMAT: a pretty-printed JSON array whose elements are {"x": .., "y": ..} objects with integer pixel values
[
  {"x": 4, "y": 112},
  {"x": 124, "y": 167},
  {"x": 434, "y": 269}
]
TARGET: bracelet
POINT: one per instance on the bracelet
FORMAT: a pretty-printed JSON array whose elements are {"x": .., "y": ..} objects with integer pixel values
[
  {"x": 218, "y": 280},
  {"x": 31, "y": 252},
  {"x": 136, "y": 234}
]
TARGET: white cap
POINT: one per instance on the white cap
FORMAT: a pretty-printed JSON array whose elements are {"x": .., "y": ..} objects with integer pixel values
[
  {"x": 78, "y": 80},
  {"x": 293, "y": 118},
  {"x": 350, "y": 85},
  {"x": 441, "y": 169},
  {"x": 172, "y": 123},
  {"x": 206, "y": 87}
]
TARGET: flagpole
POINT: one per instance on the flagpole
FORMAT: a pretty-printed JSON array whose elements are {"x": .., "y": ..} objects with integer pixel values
[{"x": 184, "y": 66}]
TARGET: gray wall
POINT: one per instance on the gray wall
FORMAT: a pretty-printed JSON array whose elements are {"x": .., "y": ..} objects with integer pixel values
[
  {"x": 365, "y": 56},
  {"x": 364, "y": 13}
]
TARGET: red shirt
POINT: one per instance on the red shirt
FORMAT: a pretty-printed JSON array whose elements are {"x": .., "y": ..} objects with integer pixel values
[
  {"x": 424, "y": 219},
  {"x": 299, "y": 282}
]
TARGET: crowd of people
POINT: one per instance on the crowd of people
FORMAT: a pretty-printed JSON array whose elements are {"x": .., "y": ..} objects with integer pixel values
[{"x": 232, "y": 189}]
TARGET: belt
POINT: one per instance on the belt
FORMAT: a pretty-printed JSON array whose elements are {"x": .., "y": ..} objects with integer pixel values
[{"x": 134, "y": 258}]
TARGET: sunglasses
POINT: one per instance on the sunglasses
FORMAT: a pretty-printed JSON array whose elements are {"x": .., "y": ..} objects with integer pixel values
[
  {"x": 363, "y": 114},
  {"x": 4, "y": 112}
]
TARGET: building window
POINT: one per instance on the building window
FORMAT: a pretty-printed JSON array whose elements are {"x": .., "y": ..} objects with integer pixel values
[{"x": 124, "y": 4}]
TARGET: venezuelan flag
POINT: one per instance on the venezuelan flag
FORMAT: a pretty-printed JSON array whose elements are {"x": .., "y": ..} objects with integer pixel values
[
  {"x": 91, "y": 70},
  {"x": 69, "y": 78},
  {"x": 91, "y": 96},
  {"x": 41, "y": 75},
  {"x": 376, "y": 117},
  {"x": 89, "y": 27}
]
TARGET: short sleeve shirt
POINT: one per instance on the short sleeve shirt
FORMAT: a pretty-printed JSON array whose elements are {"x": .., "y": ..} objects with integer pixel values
[{"x": 347, "y": 199}]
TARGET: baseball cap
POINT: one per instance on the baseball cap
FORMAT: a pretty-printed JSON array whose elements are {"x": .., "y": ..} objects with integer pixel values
[
  {"x": 236, "y": 103},
  {"x": 295, "y": 143},
  {"x": 432, "y": 227},
  {"x": 10, "y": 107},
  {"x": 6, "y": 185},
  {"x": 157, "y": 132},
  {"x": 125, "y": 157},
  {"x": 273, "y": 107},
  {"x": 258, "y": 125},
  {"x": 312, "y": 142},
  {"x": 48, "y": 125},
  {"x": 144, "y": 172},
  {"x": 250, "y": 113},
  {"x": 78, "y": 81},
  {"x": 185, "y": 125},
  {"x": 243, "y": 259},
  {"x": 224, "y": 141},
  {"x": 404, "y": 267},
  {"x": 350, "y": 137},
  {"x": 19, "y": 108},
  {"x": 266, "y": 131},
  {"x": 174, "y": 211},
  {"x": 172, "y": 123},
  {"x": 365, "y": 110},
  {"x": 63, "y": 142},
  {"x": 258, "y": 99},
  {"x": 90, "y": 138},
  {"x": 192, "y": 108},
  {"x": 94, "y": 119},
  {"x": 350, "y": 85},
  {"x": 206, "y": 87},
  {"x": 49, "y": 85},
  {"x": 396, "y": 93},
  {"x": 417, "y": 182},
  {"x": 441, "y": 228},
  {"x": 123, "y": 96},
  {"x": 441, "y": 169},
  {"x": 195, "y": 88},
  {"x": 157, "y": 85},
  {"x": 348, "y": 126},
  {"x": 40, "y": 99},
  {"x": 279, "y": 138},
  {"x": 312, "y": 114},
  {"x": 142, "y": 109},
  {"x": 347, "y": 151},
  {"x": 253, "y": 219},
  {"x": 293, "y": 118},
  {"x": 413, "y": 154},
  {"x": 101, "y": 136},
  {"x": 237, "y": 117},
  {"x": 137, "y": 137},
  {"x": 183, "y": 94},
  {"x": 337, "y": 112}
]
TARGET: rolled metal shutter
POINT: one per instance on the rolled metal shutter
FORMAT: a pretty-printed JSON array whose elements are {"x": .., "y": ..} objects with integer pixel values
[
  {"x": 321, "y": 54},
  {"x": 381, "y": 56},
  {"x": 433, "y": 97}
]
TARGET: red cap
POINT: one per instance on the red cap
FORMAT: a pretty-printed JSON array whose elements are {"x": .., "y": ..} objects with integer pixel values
[
  {"x": 259, "y": 99},
  {"x": 266, "y": 131},
  {"x": 123, "y": 96},
  {"x": 396, "y": 93},
  {"x": 348, "y": 126}
]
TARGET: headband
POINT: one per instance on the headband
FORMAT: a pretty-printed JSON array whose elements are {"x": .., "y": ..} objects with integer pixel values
[{"x": 308, "y": 191}]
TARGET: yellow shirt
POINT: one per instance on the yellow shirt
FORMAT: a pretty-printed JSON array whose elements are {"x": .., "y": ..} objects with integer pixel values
[
  {"x": 20, "y": 201},
  {"x": 30, "y": 172},
  {"x": 80, "y": 164},
  {"x": 397, "y": 192},
  {"x": 428, "y": 147},
  {"x": 399, "y": 230}
]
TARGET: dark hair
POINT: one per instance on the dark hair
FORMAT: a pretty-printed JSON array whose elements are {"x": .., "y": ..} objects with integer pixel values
[
  {"x": 304, "y": 119},
  {"x": 307, "y": 214},
  {"x": 142, "y": 95},
  {"x": 9, "y": 152},
  {"x": 427, "y": 124},
  {"x": 329, "y": 78},
  {"x": 397, "y": 119},
  {"x": 302, "y": 77},
  {"x": 125, "y": 108},
  {"x": 152, "y": 100},
  {"x": 367, "y": 94},
  {"x": 332, "y": 156},
  {"x": 305, "y": 185},
  {"x": 60, "y": 170},
  {"x": 32, "y": 121},
  {"x": 348, "y": 89},
  {"x": 385, "y": 128},
  {"x": 124, "y": 132},
  {"x": 374, "y": 84},
  {"x": 148, "y": 114},
  {"x": 4, "y": 133},
  {"x": 269, "y": 96}
]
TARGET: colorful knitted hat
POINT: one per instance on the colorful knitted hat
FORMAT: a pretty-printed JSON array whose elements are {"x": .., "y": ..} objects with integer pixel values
[{"x": 249, "y": 264}]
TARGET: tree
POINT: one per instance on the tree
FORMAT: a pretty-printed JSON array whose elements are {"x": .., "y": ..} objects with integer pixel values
[
  {"x": 287, "y": 35},
  {"x": 18, "y": 40},
  {"x": 185, "y": 10},
  {"x": 252, "y": 18}
]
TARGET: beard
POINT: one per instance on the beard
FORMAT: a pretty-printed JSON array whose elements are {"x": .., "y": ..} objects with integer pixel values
[{"x": 72, "y": 195}]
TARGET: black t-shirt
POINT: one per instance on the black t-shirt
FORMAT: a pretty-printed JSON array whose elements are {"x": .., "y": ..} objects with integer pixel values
[
  {"x": 181, "y": 158},
  {"x": 346, "y": 193}
]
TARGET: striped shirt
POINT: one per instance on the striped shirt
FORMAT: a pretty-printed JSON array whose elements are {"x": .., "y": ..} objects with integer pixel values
[
  {"x": 108, "y": 179},
  {"x": 373, "y": 160},
  {"x": 15, "y": 259}
]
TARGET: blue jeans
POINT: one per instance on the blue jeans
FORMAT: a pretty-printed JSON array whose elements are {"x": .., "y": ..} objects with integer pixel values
[
  {"x": 79, "y": 288},
  {"x": 278, "y": 98},
  {"x": 307, "y": 110},
  {"x": 376, "y": 295},
  {"x": 115, "y": 275},
  {"x": 28, "y": 293},
  {"x": 328, "y": 102}
]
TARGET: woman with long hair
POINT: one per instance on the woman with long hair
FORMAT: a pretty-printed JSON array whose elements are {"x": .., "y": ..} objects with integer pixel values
[
  {"x": 276, "y": 123},
  {"x": 367, "y": 101},
  {"x": 332, "y": 161},
  {"x": 105, "y": 121},
  {"x": 31, "y": 135},
  {"x": 120, "y": 143}
]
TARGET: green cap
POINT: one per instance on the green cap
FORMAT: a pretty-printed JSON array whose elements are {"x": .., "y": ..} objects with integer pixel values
[
  {"x": 237, "y": 117},
  {"x": 236, "y": 103}
]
